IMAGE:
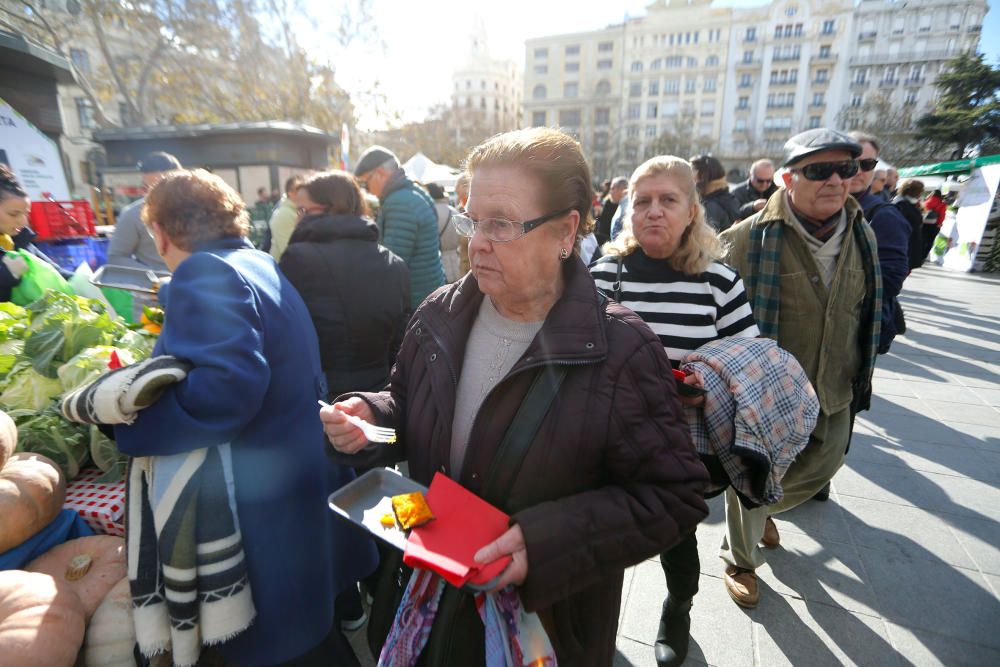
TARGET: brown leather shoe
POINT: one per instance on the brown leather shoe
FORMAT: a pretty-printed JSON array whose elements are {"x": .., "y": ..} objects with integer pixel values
[
  {"x": 770, "y": 539},
  {"x": 742, "y": 586}
]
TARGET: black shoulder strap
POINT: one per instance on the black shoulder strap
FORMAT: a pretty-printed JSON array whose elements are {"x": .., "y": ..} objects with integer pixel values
[
  {"x": 517, "y": 440},
  {"x": 444, "y": 227}
]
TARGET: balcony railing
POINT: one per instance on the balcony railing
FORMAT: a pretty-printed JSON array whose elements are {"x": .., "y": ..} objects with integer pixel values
[
  {"x": 783, "y": 105},
  {"x": 867, "y": 36},
  {"x": 783, "y": 82},
  {"x": 914, "y": 81},
  {"x": 749, "y": 63},
  {"x": 909, "y": 56},
  {"x": 823, "y": 57},
  {"x": 888, "y": 83},
  {"x": 794, "y": 56},
  {"x": 859, "y": 85},
  {"x": 820, "y": 82}
]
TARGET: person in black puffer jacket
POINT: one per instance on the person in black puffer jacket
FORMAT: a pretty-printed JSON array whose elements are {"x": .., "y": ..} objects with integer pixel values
[
  {"x": 357, "y": 291},
  {"x": 721, "y": 207}
]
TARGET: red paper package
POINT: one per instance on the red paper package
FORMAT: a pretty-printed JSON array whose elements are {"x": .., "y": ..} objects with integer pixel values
[{"x": 464, "y": 523}]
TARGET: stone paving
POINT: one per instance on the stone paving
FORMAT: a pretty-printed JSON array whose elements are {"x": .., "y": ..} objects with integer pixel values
[{"x": 902, "y": 564}]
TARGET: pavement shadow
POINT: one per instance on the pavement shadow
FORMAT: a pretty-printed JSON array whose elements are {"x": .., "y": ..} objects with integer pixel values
[
  {"x": 801, "y": 644},
  {"x": 929, "y": 306}
]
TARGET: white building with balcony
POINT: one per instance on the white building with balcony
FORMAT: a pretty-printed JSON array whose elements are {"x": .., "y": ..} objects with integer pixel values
[
  {"x": 486, "y": 90},
  {"x": 898, "y": 49}
]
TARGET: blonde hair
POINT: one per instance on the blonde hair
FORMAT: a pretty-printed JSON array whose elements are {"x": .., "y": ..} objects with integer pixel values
[
  {"x": 552, "y": 157},
  {"x": 195, "y": 206},
  {"x": 699, "y": 245}
]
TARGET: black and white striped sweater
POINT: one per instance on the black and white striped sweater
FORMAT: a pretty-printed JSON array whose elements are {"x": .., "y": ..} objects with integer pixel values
[{"x": 685, "y": 311}]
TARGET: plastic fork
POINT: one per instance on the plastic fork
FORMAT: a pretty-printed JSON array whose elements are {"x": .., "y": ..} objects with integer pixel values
[{"x": 372, "y": 432}]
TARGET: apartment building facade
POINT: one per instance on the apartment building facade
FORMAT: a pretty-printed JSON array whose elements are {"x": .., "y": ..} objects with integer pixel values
[
  {"x": 741, "y": 80},
  {"x": 575, "y": 82},
  {"x": 900, "y": 48}
]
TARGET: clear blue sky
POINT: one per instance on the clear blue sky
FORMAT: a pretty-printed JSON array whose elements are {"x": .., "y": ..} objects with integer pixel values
[{"x": 990, "y": 42}]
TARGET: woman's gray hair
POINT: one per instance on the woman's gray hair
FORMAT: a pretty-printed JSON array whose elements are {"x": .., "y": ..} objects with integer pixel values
[{"x": 699, "y": 245}]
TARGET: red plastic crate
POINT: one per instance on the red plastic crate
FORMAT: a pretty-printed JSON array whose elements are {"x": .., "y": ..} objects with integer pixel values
[{"x": 53, "y": 220}]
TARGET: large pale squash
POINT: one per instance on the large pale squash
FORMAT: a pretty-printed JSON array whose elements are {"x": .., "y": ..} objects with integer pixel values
[
  {"x": 87, "y": 566},
  {"x": 111, "y": 631},
  {"x": 8, "y": 437},
  {"x": 40, "y": 625},
  {"x": 32, "y": 491}
]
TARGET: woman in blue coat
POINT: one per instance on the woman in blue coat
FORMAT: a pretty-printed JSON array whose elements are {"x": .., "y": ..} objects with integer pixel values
[{"x": 254, "y": 382}]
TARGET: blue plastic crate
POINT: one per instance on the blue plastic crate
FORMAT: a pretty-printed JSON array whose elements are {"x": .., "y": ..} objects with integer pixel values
[{"x": 70, "y": 254}]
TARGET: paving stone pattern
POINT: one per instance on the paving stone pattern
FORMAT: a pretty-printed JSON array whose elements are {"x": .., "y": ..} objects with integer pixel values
[{"x": 902, "y": 565}]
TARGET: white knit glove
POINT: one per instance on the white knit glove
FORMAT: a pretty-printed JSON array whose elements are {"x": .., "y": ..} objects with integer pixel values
[{"x": 16, "y": 265}]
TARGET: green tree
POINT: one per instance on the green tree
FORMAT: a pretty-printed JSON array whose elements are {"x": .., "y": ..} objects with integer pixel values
[
  {"x": 968, "y": 112},
  {"x": 895, "y": 127}
]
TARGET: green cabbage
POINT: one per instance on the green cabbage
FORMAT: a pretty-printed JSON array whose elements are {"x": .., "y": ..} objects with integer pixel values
[
  {"x": 90, "y": 364},
  {"x": 49, "y": 434},
  {"x": 106, "y": 456},
  {"x": 25, "y": 389},
  {"x": 63, "y": 325}
]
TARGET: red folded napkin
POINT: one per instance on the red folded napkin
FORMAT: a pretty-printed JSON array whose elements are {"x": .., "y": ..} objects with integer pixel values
[{"x": 463, "y": 524}]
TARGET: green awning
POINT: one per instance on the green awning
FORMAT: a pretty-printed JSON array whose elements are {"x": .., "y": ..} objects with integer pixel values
[{"x": 953, "y": 167}]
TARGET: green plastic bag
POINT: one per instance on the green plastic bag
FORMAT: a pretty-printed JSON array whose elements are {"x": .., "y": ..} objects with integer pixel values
[{"x": 39, "y": 277}]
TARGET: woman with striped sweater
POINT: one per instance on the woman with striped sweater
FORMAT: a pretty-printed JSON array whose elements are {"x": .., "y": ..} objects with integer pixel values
[{"x": 664, "y": 266}]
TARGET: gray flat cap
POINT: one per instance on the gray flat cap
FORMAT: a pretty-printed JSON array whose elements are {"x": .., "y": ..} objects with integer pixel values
[
  {"x": 809, "y": 142},
  {"x": 374, "y": 157},
  {"x": 155, "y": 163}
]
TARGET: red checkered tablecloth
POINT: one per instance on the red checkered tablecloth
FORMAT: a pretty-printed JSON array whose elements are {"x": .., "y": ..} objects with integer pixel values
[{"x": 102, "y": 506}]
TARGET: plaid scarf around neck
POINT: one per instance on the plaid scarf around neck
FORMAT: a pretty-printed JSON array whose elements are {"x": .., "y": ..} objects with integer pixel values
[{"x": 764, "y": 285}]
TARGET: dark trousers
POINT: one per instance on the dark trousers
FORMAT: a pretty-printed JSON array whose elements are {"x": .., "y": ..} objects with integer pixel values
[
  {"x": 682, "y": 567},
  {"x": 929, "y": 233}
]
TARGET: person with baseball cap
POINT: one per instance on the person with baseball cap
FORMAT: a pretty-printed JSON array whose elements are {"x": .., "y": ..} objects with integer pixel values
[
  {"x": 810, "y": 264},
  {"x": 132, "y": 244},
  {"x": 407, "y": 219}
]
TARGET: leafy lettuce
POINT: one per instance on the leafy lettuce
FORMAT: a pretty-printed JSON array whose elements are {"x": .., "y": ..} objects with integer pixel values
[
  {"x": 49, "y": 434},
  {"x": 25, "y": 389},
  {"x": 90, "y": 364}
]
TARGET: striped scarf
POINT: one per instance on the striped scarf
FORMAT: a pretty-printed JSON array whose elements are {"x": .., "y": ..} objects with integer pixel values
[
  {"x": 186, "y": 568},
  {"x": 764, "y": 285}
]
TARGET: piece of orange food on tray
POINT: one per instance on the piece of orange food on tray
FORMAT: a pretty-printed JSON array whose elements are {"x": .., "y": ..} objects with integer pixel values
[{"x": 411, "y": 510}]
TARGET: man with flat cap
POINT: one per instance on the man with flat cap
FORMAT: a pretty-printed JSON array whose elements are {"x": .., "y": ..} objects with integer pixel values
[
  {"x": 132, "y": 243},
  {"x": 407, "y": 219},
  {"x": 810, "y": 265}
]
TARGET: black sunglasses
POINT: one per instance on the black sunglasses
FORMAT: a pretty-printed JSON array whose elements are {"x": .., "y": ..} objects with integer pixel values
[
  {"x": 820, "y": 171},
  {"x": 868, "y": 165}
]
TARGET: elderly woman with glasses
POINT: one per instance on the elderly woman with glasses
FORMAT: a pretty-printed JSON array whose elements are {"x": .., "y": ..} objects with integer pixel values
[{"x": 608, "y": 479}]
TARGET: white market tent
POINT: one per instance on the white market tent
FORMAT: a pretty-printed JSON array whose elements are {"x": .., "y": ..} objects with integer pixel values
[{"x": 422, "y": 168}]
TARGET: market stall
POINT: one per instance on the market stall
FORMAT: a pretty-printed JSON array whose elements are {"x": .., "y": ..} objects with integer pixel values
[
  {"x": 62, "y": 488},
  {"x": 967, "y": 240}
]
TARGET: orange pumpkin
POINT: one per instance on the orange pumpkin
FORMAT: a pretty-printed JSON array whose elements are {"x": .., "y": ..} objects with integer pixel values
[
  {"x": 40, "y": 625},
  {"x": 87, "y": 566},
  {"x": 32, "y": 491},
  {"x": 8, "y": 437}
]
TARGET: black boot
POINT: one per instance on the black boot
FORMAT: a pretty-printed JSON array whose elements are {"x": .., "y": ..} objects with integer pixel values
[
  {"x": 674, "y": 633},
  {"x": 823, "y": 494}
]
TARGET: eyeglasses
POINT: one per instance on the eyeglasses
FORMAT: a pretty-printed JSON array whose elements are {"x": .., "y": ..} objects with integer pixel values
[
  {"x": 868, "y": 165},
  {"x": 499, "y": 230},
  {"x": 761, "y": 180},
  {"x": 820, "y": 171}
]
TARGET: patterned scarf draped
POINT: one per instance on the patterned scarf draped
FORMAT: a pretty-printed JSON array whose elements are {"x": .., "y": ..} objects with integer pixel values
[
  {"x": 764, "y": 284},
  {"x": 514, "y": 637}
]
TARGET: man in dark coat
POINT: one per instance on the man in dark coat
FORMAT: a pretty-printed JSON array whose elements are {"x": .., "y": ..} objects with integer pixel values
[
  {"x": 753, "y": 194},
  {"x": 892, "y": 231}
]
